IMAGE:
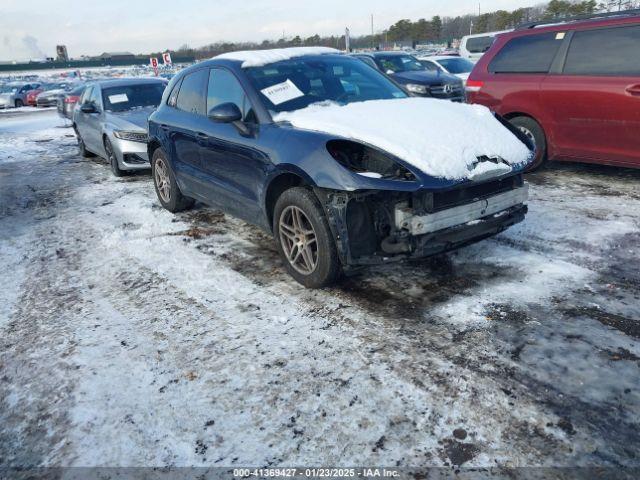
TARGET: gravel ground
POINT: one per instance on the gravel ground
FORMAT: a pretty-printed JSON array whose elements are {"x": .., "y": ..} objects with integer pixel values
[{"x": 133, "y": 337}]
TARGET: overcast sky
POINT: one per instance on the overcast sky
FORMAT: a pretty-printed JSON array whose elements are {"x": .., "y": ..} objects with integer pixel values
[{"x": 32, "y": 29}]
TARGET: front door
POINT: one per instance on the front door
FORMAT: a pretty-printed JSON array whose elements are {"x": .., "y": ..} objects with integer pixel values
[{"x": 235, "y": 165}]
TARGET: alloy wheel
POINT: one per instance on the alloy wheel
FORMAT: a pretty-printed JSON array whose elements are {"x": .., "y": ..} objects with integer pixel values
[
  {"x": 298, "y": 240},
  {"x": 163, "y": 183}
]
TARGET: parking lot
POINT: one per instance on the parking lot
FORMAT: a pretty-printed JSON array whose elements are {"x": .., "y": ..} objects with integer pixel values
[{"x": 130, "y": 336}]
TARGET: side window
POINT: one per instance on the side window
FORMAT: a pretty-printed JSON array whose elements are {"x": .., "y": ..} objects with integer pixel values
[
  {"x": 607, "y": 51},
  {"x": 429, "y": 65},
  {"x": 86, "y": 95},
  {"x": 95, "y": 97},
  {"x": 191, "y": 95},
  {"x": 173, "y": 97},
  {"x": 528, "y": 54},
  {"x": 369, "y": 62},
  {"x": 479, "y": 44},
  {"x": 225, "y": 88}
]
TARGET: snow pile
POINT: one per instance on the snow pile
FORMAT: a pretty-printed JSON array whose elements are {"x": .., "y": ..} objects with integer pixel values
[
  {"x": 258, "y": 58},
  {"x": 443, "y": 139}
]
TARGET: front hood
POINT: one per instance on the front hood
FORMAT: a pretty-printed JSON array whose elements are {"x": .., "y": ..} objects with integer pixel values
[
  {"x": 424, "y": 77},
  {"x": 441, "y": 139},
  {"x": 130, "y": 119}
]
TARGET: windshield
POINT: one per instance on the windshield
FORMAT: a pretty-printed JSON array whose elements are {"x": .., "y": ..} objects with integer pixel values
[
  {"x": 120, "y": 99},
  {"x": 457, "y": 65},
  {"x": 297, "y": 83},
  {"x": 399, "y": 63},
  {"x": 8, "y": 89}
]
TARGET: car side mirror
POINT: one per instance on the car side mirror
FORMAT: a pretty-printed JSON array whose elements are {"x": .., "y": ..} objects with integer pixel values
[
  {"x": 225, "y": 113},
  {"x": 88, "y": 108}
]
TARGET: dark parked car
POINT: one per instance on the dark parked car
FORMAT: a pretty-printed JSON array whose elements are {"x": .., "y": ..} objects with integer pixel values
[
  {"x": 573, "y": 87},
  {"x": 297, "y": 142},
  {"x": 69, "y": 101},
  {"x": 407, "y": 70}
]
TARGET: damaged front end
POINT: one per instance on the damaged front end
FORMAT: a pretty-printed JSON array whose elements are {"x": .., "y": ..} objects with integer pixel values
[{"x": 378, "y": 226}]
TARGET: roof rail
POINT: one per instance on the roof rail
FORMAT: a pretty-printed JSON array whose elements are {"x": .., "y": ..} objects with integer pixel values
[{"x": 587, "y": 16}]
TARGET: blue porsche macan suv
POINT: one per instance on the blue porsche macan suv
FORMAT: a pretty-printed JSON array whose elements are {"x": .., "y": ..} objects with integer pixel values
[{"x": 227, "y": 133}]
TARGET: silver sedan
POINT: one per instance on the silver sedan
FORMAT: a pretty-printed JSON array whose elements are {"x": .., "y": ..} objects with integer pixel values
[{"x": 111, "y": 121}]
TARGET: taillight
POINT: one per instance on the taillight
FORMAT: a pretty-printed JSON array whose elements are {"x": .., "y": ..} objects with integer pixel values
[
  {"x": 474, "y": 85},
  {"x": 71, "y": 99}
]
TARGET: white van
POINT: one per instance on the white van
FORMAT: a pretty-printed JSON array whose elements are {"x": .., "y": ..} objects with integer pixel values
[{"x": 474, "y": 46}]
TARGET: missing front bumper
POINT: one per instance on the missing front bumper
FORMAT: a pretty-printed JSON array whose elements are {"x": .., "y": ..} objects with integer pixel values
[
  {"x": 406, "y": 220},
  {"x": 366, "y": 233}
]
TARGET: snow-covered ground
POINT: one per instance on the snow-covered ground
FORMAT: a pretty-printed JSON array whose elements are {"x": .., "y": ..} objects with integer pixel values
[{"x": 133, "y": 337}]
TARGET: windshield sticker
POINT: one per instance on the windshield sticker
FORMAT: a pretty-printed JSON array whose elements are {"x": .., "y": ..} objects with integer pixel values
[
  {"x": 282, "y": 92},
  {"x": 119, "y": 98}
]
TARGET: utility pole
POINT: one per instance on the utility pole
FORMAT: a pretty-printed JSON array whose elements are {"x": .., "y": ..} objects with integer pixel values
[{"x": 372, "y": 31}]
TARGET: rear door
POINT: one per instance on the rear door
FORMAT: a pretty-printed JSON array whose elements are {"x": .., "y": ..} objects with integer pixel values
[
  {"x": 517, "y": 71},
  {"x": 184, "y": 131},
  {"x": 595, "y": 97}
]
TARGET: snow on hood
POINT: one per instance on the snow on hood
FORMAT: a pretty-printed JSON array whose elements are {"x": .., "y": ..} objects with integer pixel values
[
  {"x": 443, "y": 139},
  {"x": 258, "y": 58}
]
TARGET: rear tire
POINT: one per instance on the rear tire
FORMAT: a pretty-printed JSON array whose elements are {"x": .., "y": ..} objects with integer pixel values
[
  {"x": 534, "y": 131},
  {"x": 164, "y": 181},
  {"x": 82, "y": 147},
  {"x": 19, "y": 103},
  {"x": 112, "y": 158},
  {"x": 305, "y": 243}
]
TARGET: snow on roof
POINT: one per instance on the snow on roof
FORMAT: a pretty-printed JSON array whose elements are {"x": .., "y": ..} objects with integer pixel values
[
  {"x": 441, "y": 138},
  {"x": 258, "y": 58}
]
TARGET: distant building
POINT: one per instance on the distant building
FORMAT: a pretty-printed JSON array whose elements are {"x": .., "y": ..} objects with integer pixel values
[
  {"x": 116, "y": 56},
  {"x": 61, "y": 53}
]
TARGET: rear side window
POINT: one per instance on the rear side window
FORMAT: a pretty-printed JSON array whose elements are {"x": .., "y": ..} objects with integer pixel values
[
  {"x": 191, "y": 97},
  {"x": 479, "y": 44},
  {"x": 528, "y": 54},
  {"x": 607, "y": 51},
  {"x": 173, "y": 97}
]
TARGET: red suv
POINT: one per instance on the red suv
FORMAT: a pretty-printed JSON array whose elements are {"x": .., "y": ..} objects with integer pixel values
[{"x": 573, "y": 87}]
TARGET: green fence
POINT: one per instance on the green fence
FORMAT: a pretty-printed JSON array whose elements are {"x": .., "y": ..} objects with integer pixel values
[{"x": 15, "y": 67}]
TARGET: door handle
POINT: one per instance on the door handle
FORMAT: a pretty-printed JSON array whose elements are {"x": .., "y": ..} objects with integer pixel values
[
  {"x": 164, "y": 127},
  {"x": 634, "y": 89},
  {"x": 203, "y": 138}
]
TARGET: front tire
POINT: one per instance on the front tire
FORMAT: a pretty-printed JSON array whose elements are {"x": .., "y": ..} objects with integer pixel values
[
  {"x": 82, "y": 147},
  {"x": 304, "y": 239},
  {"x": 112, "y": 158},
  {"x": 164, "y": 181},
  {"x": 535, "y": 133}
]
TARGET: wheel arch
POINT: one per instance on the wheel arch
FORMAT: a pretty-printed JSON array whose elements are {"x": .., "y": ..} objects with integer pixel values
[
  {"x": 152, "y": 146},
  {"x": 277, "y": 185},
  {"x": 547, "y": 134}
]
